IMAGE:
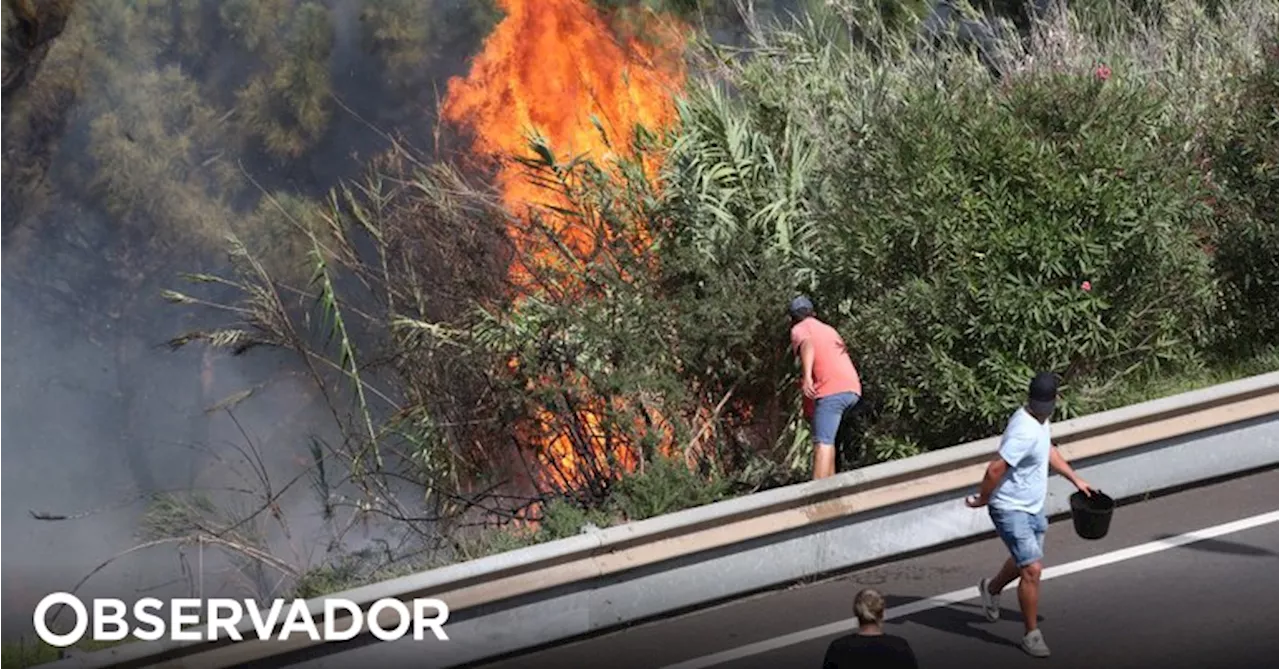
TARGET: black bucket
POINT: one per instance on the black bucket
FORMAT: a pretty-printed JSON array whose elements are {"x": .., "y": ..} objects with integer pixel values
[{"x": 1092, "y": 514}]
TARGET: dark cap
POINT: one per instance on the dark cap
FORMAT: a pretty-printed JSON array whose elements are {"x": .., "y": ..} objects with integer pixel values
[
  {"x": 799, "y": 304},
  {"x": 1043, "y": 394}
]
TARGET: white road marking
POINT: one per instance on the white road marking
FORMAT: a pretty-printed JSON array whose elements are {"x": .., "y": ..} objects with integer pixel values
[{"x": 971, "y": 592}]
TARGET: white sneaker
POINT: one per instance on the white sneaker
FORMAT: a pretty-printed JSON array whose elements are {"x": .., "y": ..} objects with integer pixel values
[
  {"x": 1034, "y": 644},
  {"x": 990, "y": 602}
]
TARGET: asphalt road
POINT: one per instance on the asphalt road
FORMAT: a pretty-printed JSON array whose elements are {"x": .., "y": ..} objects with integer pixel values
[{"x": 1170, "y": 602}]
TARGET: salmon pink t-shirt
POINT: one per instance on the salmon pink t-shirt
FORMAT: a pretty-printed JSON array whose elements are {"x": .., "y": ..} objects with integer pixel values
[{"x": 833, "y": 370}]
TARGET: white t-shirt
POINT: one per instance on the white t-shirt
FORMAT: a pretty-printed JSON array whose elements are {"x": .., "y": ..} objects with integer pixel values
[{"x": 1025, "y": 448}]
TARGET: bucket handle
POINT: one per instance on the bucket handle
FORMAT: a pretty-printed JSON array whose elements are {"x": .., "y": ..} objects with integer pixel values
[{"x": 1096, "y": 491}]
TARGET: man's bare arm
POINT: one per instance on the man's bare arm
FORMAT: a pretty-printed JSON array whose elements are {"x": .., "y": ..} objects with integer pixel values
[
  {"x": 1060, "y": 465},
  {"x": 995, "y": 471},
  {"x": 806, "y": 364}
]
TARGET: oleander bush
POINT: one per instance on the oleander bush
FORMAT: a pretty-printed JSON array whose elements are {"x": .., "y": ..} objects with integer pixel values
[
  {"x": 1054, "y": 223},
  {"x": 1243, "y": 198}
]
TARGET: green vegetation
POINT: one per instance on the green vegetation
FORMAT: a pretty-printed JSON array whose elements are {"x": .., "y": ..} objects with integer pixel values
[
  {"x": 1017, "y": 199},
  {"x": 1242, "y": 152},
  {"x": 1105, "y": 209}
]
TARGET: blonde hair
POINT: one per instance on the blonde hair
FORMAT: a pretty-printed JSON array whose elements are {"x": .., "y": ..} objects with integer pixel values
[{"x": 868, "y": 606}]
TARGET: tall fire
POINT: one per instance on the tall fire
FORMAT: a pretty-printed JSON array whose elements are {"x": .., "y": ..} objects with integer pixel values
[{"x": 549, "y": 67}]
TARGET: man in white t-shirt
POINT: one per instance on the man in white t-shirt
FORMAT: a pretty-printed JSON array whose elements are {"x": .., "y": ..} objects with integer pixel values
[{"x": 1014, "y": 490}]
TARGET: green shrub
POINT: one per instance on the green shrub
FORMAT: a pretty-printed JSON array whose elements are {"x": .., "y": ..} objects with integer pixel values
[
  {"x": 328, "y": 579},
  {"x": 562, "y": 519},
  {"x": 1244, "y": 167},
  {"x": 666, "y": 485},
  {"x": 980, "y": 215}
]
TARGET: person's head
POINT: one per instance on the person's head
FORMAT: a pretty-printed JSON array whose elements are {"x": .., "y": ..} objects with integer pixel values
[
  {"x": 1042, "y": 396},
  {"x": 800, "y": 308},
  {"x": 868, "y": 607}
]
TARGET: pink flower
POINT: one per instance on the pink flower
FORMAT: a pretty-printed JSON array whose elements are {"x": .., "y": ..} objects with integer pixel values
[
  {"x": 1086, "y": 286},
  {"x": 1103, "y": 72}
]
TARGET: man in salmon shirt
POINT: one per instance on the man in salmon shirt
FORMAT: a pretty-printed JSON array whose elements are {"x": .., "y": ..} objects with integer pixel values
[{"x": 827, "y": 377}]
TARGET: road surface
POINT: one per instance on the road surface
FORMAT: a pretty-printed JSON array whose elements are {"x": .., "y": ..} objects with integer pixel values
[{"x": 1184, "y": 580}]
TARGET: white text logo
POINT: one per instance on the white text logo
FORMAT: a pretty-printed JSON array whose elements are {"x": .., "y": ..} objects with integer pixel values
[{"x": 205, "y": 620}]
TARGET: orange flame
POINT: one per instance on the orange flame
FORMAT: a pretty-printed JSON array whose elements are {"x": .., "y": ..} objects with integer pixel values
[
  {"x": 554, "y": 67},
  {"x": 549, "y": 67}
]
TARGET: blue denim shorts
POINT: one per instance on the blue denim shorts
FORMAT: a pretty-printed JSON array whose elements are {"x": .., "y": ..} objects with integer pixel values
[
  {"x": 827, "y": 414},
  {"x": 1022, "y": 532}
]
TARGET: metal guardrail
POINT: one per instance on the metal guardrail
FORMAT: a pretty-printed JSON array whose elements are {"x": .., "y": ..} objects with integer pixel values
[{"x": 580, "y": 564}]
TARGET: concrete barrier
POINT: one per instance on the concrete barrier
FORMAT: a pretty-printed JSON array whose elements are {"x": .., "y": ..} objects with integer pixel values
[{"x": 621, "y": 575}]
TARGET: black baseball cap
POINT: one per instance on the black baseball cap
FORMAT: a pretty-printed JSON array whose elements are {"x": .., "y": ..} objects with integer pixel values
[{"x": 1043, "y": 393}]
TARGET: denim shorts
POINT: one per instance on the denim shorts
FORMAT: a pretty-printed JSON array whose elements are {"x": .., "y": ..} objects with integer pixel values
[
  {"x": 827, "y": 414},
  {"x": 1022, "y": 532}
]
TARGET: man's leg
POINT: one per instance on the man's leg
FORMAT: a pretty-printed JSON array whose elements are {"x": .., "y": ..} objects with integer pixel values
[
  {"x": 826, "y": 420},
  {"x": 1023, "y": 535},
  {"x": 828, "y": 416},
  {"x": 1006, "y": 525},
  {"x": 1008, "y": 572},
  {"x": 1031, "y": 573},
  {"x": 1029, "y": 593},
  {"x": 1029, "y": 553},
  {"x": 824, "y": 461},
  {"x": 843, "y": 435},
  {"x": 1028, "y": 589}
]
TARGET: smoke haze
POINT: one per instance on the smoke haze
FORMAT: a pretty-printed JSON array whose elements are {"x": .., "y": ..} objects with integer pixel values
[{"x": 98, "y": 416}]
